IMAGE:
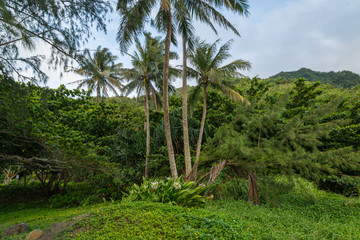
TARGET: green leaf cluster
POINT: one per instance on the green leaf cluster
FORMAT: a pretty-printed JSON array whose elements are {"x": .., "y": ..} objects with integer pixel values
[
  {"x": 174, "y": 192},
  {"x": 299, "y": 128}
]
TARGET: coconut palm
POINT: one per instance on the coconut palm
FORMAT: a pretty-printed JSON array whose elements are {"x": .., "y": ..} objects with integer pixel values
[
  {"x": 100, "y": 71},
  {"x": 208, "y": 71},
  {"x": 146, "y": 76},
  {"x": 136, "y": 13},
  {"x": 184, "y": 12}
]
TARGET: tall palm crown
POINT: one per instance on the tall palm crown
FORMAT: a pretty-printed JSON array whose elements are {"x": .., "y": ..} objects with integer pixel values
[
  {"x": 208, "y": 70},
  {"x": 136, "y": 13},
  {"x": 100, "y": 71},
  {"x": 148, "y": 64}
]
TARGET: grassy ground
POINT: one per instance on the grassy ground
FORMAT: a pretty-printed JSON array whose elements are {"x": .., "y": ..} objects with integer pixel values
[{"x": 296, "y": 215}]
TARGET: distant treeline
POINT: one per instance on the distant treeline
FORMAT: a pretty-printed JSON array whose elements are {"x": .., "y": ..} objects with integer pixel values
[{"x": 345, "y": 79}]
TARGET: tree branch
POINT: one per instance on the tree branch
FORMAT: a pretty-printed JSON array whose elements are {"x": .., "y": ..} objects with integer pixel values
[{"x": 34, "y": 35}]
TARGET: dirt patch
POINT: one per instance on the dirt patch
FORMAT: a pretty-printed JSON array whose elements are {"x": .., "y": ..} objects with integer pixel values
[{"x": 56, "y": 228}]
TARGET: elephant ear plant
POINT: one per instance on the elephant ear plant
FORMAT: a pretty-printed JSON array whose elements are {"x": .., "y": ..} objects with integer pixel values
[{"x": 174, "y": 192}]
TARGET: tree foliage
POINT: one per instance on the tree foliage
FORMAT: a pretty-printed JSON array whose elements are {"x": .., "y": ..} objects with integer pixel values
[
  {"x": 208, "y": 71},
  {"x": 345, "y": 79},
  {"x": 295, "y": 128},
  {"x": 61, "y": 25},
  {"x": 58, "y": 132},
  {"x": 100, "y": 71}
]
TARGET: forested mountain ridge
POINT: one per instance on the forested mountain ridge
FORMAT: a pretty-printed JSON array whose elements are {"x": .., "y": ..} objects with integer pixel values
[{"x": 345, "y": 79}]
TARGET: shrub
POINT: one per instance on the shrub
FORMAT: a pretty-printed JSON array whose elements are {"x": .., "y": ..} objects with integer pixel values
[
  {"x": 175, "y": 192},
  {"x": 348, "y": 186},
  {"x": 234, "y": 189}
]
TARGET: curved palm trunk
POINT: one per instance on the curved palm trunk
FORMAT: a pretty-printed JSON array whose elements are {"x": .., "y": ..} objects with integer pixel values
[
  {"x": 170, "y": 148},
  {"x": 147, "y": 113},
  {"x": 198, "y": 149},
  {"x": 184, "y": 112}
]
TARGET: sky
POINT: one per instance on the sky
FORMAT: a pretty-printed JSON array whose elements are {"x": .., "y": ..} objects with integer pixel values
[{"x": 278, "y": 35}]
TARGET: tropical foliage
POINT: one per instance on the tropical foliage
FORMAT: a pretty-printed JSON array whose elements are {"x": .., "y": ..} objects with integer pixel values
[
  {"x": 175, "y": 192},
  {"x": 291, "y": 129},
  {"x": 208, "y": 72},
  {"x": 100, "y": 71},
  {"x": 146, "y": 76},
  {"x": 56, "y": 25},
  {"x": 345, "y": 79},
  {"x": 184, "y": 12},
  {"x": 136, "y": 13},
  {"x": 291, "y": 149}
]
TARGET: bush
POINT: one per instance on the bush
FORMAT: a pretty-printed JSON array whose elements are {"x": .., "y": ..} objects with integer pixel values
[
  {"x": 175, "y": 192},
  {"x": 235, "y": 189},
  {"x": 348, "y": 186},
  {"x": 272, "y": 189},
  {"x": 75, "y": 196}
]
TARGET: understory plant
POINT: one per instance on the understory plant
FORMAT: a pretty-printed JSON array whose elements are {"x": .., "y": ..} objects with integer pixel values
[{"x": 172, "y": 191}]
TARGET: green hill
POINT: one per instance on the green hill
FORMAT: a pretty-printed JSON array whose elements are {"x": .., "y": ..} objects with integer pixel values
[{"x": 345, "y": 79}]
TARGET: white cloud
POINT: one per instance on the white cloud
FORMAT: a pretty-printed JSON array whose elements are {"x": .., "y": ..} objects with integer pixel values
[{"x": 318, "y": 34}]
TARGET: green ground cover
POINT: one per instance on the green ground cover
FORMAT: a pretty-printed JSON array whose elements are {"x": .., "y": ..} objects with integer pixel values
[{"x": 296, "y": 215}]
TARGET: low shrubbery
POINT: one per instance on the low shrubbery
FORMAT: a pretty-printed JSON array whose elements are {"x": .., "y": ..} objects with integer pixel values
[
  {"x": 175, "y": 192},
  {"x": 271, "y": 189}
]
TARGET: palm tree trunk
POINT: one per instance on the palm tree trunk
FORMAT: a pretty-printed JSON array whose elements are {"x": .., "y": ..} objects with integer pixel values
[
  {"x": 170, "y": 148},
  {"x": 202, "y": 125},
  {"x": 154, "y": 98},
  {"x": 147, "y": 132},
  {"x": 97, "y": 93},
  {"x": 184, "y": 112}
]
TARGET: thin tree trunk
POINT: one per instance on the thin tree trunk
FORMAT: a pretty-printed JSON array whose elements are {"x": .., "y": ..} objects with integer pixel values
[
  {"x": 147, "y": 132},
  {"x": 98, "y": 93},
  {"x": 184, "y": 112},
  {"x": 154, "y": 98},
  {"x": 198, "y": 148},
  {"x": 170, "y": 148}
]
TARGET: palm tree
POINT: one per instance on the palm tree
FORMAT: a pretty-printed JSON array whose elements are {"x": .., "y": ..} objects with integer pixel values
[
  {"x": 100, "y": 72},
  {"x": 135, "y": 14},
  {"x": 146, "y": 76},
  {"x": 207, "y": 60},
  {"x": 184, "y": 11}
]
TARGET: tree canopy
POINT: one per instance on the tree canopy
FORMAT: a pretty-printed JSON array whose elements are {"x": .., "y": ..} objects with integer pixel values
[
  {"x": 61, "y": 25},
  {"x": 345, "y": 79},
  {"x": 101, "y": 72}
]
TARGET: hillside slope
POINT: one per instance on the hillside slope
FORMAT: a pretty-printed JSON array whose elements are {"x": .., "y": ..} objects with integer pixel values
[{"x": 345, "y": 79}]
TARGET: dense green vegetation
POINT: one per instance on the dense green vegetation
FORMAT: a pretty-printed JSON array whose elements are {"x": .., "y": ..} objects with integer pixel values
[
  {"x": 300, "y": 128},
  {"x": 345, "y": 79},
  {"x": 239, "y": 158},
  {"x": 301, "y": 212}
]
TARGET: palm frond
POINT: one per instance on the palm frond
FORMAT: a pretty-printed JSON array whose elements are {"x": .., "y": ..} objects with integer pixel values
[
  {"x": 229, "y": 92},
  {"x": 133, "y": 14},
  {"x": 194, "y": 96},
  {"x": 102, "y": 72},
  {"x": 221, "y": 55}
]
